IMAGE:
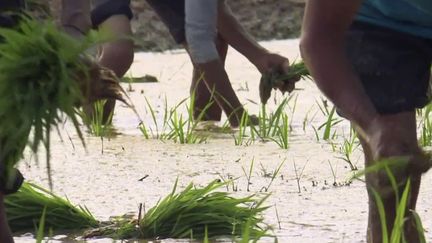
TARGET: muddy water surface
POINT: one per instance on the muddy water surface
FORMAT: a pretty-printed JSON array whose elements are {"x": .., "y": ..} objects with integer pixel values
[{"x": 105, "y": 176}]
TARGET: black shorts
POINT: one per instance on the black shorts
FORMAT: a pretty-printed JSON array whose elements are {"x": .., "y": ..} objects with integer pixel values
[
  {"x": 394, "y": 67},
  {"x": 9, "y": 12},
  {"x": 103, "y": 9},
  {"x": 172, "y": 13}
]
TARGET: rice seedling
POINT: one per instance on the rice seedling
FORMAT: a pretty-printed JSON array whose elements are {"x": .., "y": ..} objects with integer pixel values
[
  {"x": 277, "y": 217},
  {"x": 334, "y": 171},
  {"x": 397, "y": 232},
  {"x": 273, "y": 176},
  {"x": 269, "y": 123},
  {"x": 348, "y": 147},
  {"x": 249, "y": 175},
  {"x": 25, "y": 208},
  {"x": 41, "y": 227},
  {"x": 327, "y": 127},
  {"x": 44, "y": 76},
  {"x": 282, "y": 138},
  {"x": 426, "y": 127},
  {"x": 241, "y": 135},
  {"x": 299, "y": 174},
  {"x": 229, "y": 181},
  {"x": 183, "y": 130},
  {"x": 188, "y": 213},
  {"x": 98, "y": 126}
]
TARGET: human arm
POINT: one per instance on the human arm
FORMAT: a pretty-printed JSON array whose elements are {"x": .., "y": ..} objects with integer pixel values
[
  {"x": 323, "y": 50},
  {"x": 237, "y": 37}
]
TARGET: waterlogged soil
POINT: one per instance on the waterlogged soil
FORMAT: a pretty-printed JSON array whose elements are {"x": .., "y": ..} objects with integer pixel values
[{"x": 312, "y": 198}]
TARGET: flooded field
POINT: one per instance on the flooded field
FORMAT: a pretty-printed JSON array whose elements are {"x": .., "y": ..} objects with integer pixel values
[{"x": 312, "y": 197}]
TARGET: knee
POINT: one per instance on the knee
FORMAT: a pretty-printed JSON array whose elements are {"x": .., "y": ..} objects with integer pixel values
[
  {"x": 201, "y": 42},
  {"x": 118, "y": 56}
]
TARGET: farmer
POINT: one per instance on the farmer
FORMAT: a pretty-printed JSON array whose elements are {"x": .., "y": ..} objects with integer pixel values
[
  {"x": 76, "y": 20},
  {"x": 372, "y": 59},
  {"x": 114, "y": 16},
  {"x": 205, "y": 28}
]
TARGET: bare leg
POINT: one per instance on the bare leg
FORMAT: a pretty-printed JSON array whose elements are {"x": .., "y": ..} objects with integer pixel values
[
  {"x": 203, "y": 96},
  {"x": 116, "y": 55},
  {"x": 392, "y": 143},
  {"x": 5, "y": 234}
]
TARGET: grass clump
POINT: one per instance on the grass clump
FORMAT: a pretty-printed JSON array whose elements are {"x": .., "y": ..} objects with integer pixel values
[
  {"x": 25, "y": 209},
  {"x": 189, "y": 213}
]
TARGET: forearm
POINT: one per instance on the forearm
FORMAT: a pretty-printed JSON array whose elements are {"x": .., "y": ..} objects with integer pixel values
[
  {"x": 75, "y": 15},
  {"x": 236, "y": 36},
  {"x": 325, "y": 25},
  {"x": 334, "y": 76}
]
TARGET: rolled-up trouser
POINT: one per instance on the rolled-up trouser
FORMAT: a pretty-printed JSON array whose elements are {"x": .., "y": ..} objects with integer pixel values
[{"x": 201, "y": 29}]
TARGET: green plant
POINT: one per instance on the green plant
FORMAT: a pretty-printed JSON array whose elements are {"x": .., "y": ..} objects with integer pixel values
[
  {"x": 183, "y": 130},
  {"x": 426, "y": 126},
  {"x": 180, "y": 215},
  {"x": 43, "y": 75},
  {"x": 273, "y": 176},
  {"x": 328, "y": 126},
  {"x": 249, "y": 175},
  {"x": 97, "y": 124},
  {"x": 241, "y": 135},
  {"x": 348, "y": 147},
  {"x": 397, "y": 232},
  {"x": 282, "y": 138},
  {"x": 269, "y": 123},
  {"x": 299, "y": 174},
  {"x": 41, "y": 227},
  {"x": 25, "y": 208}
]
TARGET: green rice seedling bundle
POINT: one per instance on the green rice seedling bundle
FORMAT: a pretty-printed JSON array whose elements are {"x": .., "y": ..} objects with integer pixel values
[
  {"x": 187, "y": 214},
  {"x": 43, "y": 77},
  {"x": 284, "y": 81},
  {"x": 25, "y": 208}
]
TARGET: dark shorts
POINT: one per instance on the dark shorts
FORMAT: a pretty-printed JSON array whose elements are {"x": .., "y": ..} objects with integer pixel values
[
  {"x": 394, "y": 67},
  {"x": 103, "y": 9},
  {"x": 9, "y": 12},
  {"x": 172, "y": 13}
]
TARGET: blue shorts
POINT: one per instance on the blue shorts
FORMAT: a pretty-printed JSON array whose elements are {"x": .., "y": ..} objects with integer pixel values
[{"x": 104, "y": 9}]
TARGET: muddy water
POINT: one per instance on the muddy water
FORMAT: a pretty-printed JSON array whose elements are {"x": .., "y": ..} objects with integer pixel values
[{"x": 105, "y": 176}]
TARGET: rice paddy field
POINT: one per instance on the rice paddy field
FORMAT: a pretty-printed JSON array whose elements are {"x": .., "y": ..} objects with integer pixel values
[{"x": 306, "y": 175}]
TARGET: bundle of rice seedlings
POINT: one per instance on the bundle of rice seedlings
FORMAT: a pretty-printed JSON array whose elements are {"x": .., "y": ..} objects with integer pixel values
[
  {"x": 188, "y": 213},
  {"x": 285, "y": 81},
  {"x": 43, "y": 77},
  {"x": 25, "y": 208}
]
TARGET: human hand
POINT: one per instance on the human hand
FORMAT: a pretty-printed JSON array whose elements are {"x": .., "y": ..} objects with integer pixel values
[
  {"x": 275, "y": 69},
  {"x": 99, "y": 83}
]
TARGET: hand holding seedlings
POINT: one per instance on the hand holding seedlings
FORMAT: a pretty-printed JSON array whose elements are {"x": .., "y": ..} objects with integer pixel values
[{"x": 281, "y": 77}]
